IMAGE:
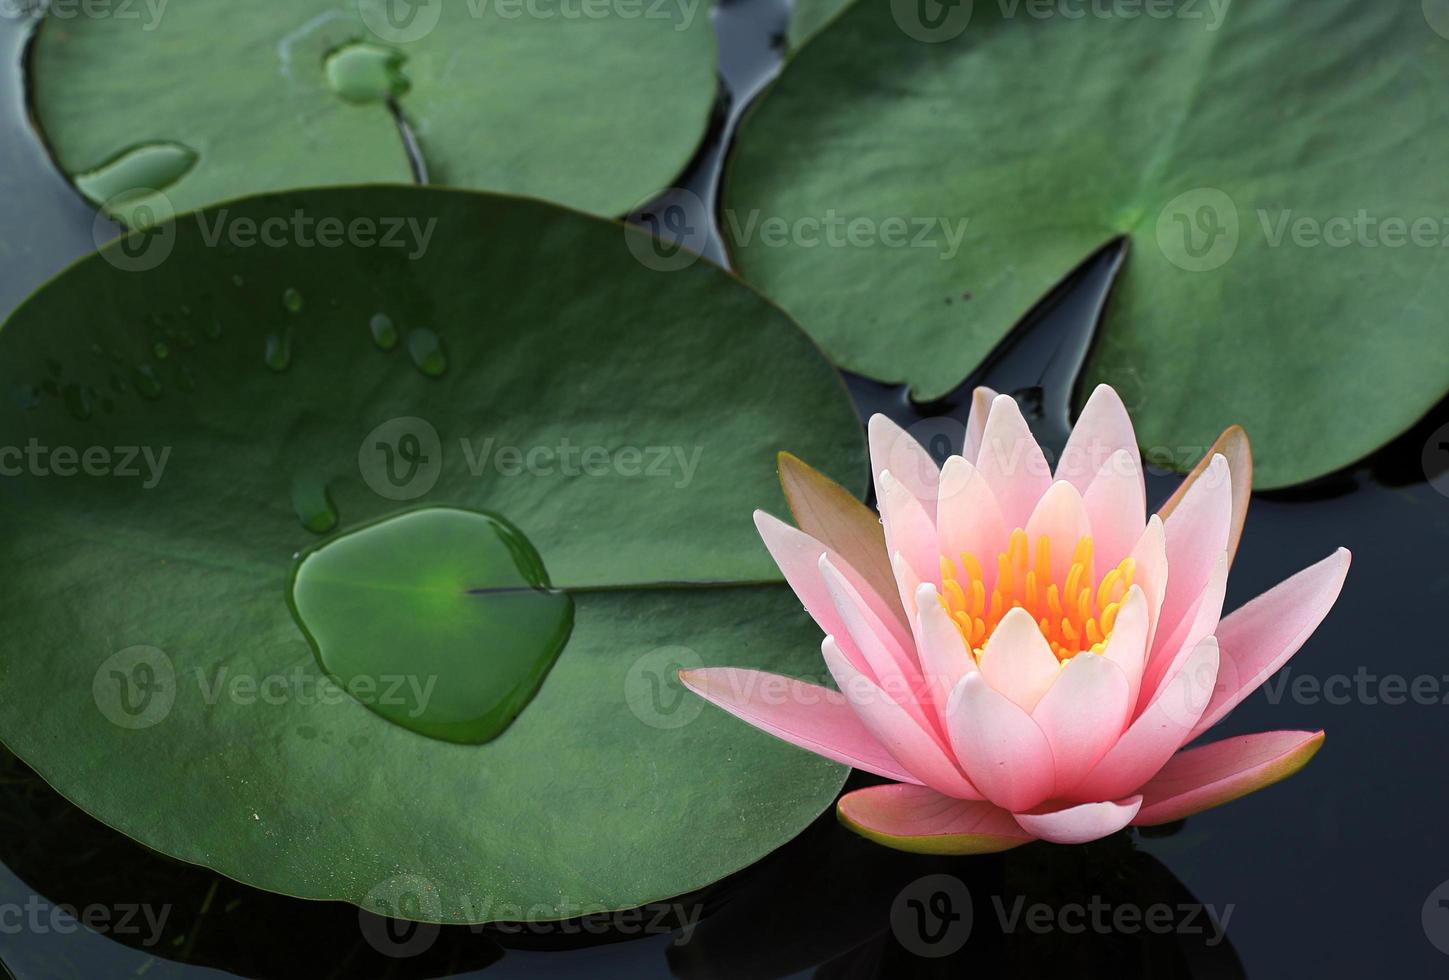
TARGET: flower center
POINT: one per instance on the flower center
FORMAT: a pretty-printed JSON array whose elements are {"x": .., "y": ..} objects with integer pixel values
[{"x": 1075, "y": 614}]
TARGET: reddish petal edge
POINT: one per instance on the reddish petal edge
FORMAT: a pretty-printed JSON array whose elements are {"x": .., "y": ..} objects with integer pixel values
[
  {"x": 1199, "y": 779},
  {"x": 920, "y": 820}
]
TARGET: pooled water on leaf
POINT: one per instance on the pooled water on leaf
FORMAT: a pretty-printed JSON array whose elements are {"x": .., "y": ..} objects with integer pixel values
[
  {"x": 144, "y": 167},
  {"x": 426, "y": 349},
  {"x": 440, "y": 620},
  {"x": 313, "y": 505},
  {"x": 278, "y": 353},
  {"x": 364, "y": 73},
  {"x": 384, "y": 332}
]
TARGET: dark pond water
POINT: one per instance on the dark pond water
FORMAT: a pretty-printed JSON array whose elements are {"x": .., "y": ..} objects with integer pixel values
[{"x": 1338, "y": 872}]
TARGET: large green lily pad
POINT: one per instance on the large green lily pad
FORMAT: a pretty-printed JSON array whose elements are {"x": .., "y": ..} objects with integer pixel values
[
  {"x": 1276, "y": 167},
  {"x": 597, "y": 106},
  {"x": 616, "y": 415}
]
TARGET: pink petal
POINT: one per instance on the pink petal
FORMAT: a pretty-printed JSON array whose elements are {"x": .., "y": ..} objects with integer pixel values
[
  {"x": 1200, "y": 621},
  {"x": 893, "y": 448},
  {"x": 1061, "y": 516},
  {"x": 1017, "y": 661},
  {"x": 894, "y": 728},
  {"x": 1081, "y": 823},
  {"x": 1197, "y": 535},
  {"x": 1260, "y": 637},
  {"x": 1157, "y": 733},
  {"x": 1003, "y": 752},
  {"x": 914, "y": 818},
  {"x": 909, "y": 583},
  {"x": 892, "y": 666},
  {"x": 909, "y": 530},
  {"x": 1211, "y": 775},
  {"x": 798, "y": 555},
  {"x": 1103, "y": 429},
  {"x": 981, "y": 400},
  {"x": 1127, "y": 646},
  {"x": 836, "y": 518},
  {"x": 815, "y": 718},
  {"x": 1233, "y": 445},
  {"x": 1150, "y": 557},
  {"x": 968, "y": 519},
  {"x": 1116, "y": 507},
  {"x": 1083, "y": 715},
  {"x": 943, "y": 654},
  {"x": 1012, "y": 462}
]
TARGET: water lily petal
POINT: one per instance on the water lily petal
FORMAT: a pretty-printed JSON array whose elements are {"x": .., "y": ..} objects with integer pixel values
[
  {"x": 892, "y": 666},
  {"x": 798, "y": 556},
  {"x": 1157, "y": 733},
  {"x": 1127, "y": 646},
  {"x": 1002, "y": 751},
  {"x": 1083, "y": 715},
  {"x": 909, "y": 583},
  {"x": 908, "y": 743},
  {"x": 1116, "y": 506},
  {"x": 968, "y": 518},
  {"x": 1233, "y": 446},
  {"x": 1149, "y": 555},
  {"x": 1081, "y": 823},
  {"x": 981, "y": 400},
  {"x": 1103, "y": 429},
  {"x": 1197, "y": 535},
  {"x": 1261, "y": 636},
  {"x": 917, "y": 819},
  {"x": 1200, "y": 621},
  {"x": 815, "y": 718},
  {"x": 909, "y": 530},
  {"x": 1199, "y": 779},
  {"x": 1062, "y": 517},
  {"x": 893, "y": 448},
  {"x": 1017, "y": 661},
  {"x": 832, "y": 515},
  {"x": 1012, "y": 462},
  {"x": 943, "y": 654}
]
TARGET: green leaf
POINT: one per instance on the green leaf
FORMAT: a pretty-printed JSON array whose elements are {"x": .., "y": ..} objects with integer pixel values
[
  {"x": 596, "y": 112},
  {"x": 1196, "y": 133},
  {"x": 616, "y": 415},
  {"x": 808, "y": 16}
]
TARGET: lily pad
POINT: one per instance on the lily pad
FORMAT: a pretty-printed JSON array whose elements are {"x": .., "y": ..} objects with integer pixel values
[
  {"x": 1286, "y": 229},
  {"x": 614, "y": 415},
  {"x": 594, "y": 106}
]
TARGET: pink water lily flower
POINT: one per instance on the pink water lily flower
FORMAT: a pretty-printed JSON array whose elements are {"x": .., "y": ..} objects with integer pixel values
[{"x": 1025, "y": 652}]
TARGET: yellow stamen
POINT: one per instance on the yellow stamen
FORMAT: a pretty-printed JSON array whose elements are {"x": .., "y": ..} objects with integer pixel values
[{"x": 1074, "y": 614}]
